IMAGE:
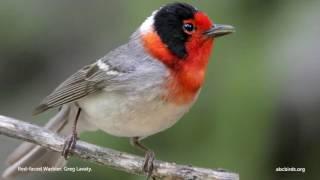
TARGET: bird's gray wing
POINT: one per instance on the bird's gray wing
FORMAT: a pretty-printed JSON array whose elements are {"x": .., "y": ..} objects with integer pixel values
[
  {"x": 122, "y": 69},
  {"x": 87, "y": 80}
]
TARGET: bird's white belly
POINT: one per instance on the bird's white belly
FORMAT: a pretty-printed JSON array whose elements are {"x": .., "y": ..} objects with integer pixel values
[{"x": 129, "y": 115}]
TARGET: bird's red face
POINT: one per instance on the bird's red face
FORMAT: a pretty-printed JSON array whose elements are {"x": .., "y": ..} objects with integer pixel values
[{"x": 182, "y": 38}]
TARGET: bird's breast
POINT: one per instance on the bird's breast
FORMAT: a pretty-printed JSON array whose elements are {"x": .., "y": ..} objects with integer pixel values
[{"x": 131, "y": 115}]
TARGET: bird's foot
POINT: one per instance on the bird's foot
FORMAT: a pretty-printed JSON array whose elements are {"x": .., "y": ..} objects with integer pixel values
[
  {"x": 69, "y": 145},
  {"x": 148, "y": 163}
]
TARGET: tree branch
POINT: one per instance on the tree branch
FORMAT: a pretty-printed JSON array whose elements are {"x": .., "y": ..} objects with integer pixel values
[{"x": 109, "y": 157}]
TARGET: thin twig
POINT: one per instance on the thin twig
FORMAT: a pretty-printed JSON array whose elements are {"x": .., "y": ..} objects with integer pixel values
[{"x": 109, "y": 157}]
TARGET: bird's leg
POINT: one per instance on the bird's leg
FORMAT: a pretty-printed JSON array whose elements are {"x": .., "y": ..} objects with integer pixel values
[
  {"x": 72, "y": 139},
  {"x": 149, "y": 155}
]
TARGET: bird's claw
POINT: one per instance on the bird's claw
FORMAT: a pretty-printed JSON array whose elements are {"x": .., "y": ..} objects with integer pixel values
[
  {"x": 69, "y": 145},
  {"x": 148, "y": 163}
]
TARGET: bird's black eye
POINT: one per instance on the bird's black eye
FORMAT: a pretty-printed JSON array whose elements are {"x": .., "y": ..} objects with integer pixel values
[{"x": 188, "y": 28}]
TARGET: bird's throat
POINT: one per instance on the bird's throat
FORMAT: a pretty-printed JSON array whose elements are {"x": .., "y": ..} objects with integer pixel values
[{"x": 187, "y": 74}]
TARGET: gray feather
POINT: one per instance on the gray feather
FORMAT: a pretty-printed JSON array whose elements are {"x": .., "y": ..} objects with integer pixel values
[
  {"x": 133, "y": 70},
  {"x": 80, "y": 84}
]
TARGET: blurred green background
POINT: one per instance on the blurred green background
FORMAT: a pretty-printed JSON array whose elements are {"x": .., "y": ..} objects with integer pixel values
[{"x": 234, "y": 125}]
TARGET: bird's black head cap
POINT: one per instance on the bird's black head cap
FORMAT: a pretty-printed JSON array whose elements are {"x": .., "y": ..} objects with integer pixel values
[{"x": 168, "y": 23}]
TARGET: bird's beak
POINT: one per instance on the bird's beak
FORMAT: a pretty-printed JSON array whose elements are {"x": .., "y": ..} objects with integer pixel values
[{"x": 218, "y": 30}]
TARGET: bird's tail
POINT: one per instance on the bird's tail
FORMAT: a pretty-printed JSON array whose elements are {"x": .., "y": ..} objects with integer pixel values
[{"x": 31, "y": 155}]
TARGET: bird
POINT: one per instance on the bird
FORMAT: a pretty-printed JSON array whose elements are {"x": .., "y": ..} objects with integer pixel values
[{"x": 139, "y": 89}]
